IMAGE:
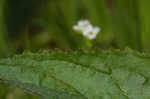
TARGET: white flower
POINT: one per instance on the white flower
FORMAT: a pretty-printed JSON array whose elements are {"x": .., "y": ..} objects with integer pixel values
[
  {"x": 87, "y": 29},
  {"x": 91, "y": 33},
  {"x": 81, "y": 25}
]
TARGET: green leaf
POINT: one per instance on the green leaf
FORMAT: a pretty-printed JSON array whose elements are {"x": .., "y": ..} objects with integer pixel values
[{"x": 80, "y": 75}]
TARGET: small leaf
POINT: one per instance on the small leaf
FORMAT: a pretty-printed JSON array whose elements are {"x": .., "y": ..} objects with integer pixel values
[{"x": 80, "y": 75}]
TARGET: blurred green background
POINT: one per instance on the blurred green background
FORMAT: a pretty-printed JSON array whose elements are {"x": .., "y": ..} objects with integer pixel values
[{"x": 47, "y": 24}]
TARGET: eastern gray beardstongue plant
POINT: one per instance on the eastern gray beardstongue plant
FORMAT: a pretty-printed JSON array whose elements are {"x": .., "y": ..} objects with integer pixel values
[{"x": 87, "y": 29}]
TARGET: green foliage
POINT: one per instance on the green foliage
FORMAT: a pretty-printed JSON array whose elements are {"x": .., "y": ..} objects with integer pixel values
[
  {"x": 35, "y": 24},
  {"x": 2, "y": 30},
  {"x": 80, "y": 75},
  {"x": 143, "y": 7},
  {"x": 11, "y": 93},
  {"x": 40, "y": 24},
  {"x": 126, "y": 24},
  {"x": 98, "y": 13}
]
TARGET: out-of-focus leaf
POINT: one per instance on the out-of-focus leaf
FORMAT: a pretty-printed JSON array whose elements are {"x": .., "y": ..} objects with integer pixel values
[
  {"x": 3, "y": 32},
  {"x": 18, "y": 94},
  {"x": 68, "y": 11},
  {"x": 126, "y": 24},
  {"x": 143, "y": 7},
  {"x": 59, "y": 18},
  {"x": 3, "y": 91}
]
